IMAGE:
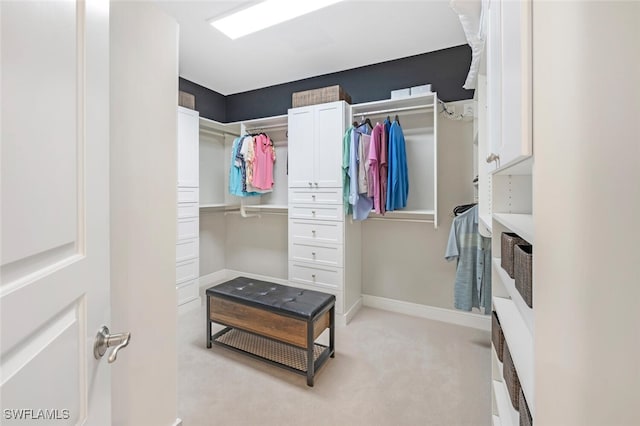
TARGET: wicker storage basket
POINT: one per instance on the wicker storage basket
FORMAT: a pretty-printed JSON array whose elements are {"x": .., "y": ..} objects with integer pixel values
[
  {"x": 186, "y": 100},
  {"x": 525, "y": 414},
  {"x": 511, "y": 377},
  {"x": 523, "y": 263},
  {"x": 497, "y": 337},
  {"x": 319, "y": 96},
  {"x": 508, "y": 241}
]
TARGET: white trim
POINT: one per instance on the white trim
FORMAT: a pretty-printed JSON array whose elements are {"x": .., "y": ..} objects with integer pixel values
[
  {"x": 178, "y": 422},
  {"x": 213, "y": 278},
  {"x": 190, "y": 305},
  {"x": 231, "y": 274},
  {"x": 353, "y": 310},
  {"x": 466, "y": 319}
]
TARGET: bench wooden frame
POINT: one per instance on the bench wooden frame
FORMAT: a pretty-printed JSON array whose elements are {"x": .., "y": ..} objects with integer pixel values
[{"x": 277, "y": 326}]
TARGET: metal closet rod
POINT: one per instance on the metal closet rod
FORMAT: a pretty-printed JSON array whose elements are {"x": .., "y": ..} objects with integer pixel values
[
  {"x": 386, "y": 111},
  {"x": 217, "y": 133},
  {"x": 273, "y": 126}
]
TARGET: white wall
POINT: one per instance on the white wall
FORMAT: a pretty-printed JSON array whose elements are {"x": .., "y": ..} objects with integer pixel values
[
  {"x": 213, "y": 234},
  {"x": 405, "y": 261},
  {"x": 144, "y": 96},
  {"x": 586, "y": 207}
]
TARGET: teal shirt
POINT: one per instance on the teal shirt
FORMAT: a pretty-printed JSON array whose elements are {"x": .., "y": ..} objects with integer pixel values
[
  {"x": 472, "y": 288},
  {"x": 346, "y": 180}
]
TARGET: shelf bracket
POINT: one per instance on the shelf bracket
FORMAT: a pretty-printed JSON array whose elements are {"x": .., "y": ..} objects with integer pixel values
[{"x": 243, "y": 211}]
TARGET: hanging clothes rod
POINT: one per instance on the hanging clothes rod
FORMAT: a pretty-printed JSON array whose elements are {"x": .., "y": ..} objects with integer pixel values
[
  {"x": 273, "y": 126},
  {"x": 393, "y": 110},
  {"x": 217, "y": 133},
  {"x": 397, "y": 219}
]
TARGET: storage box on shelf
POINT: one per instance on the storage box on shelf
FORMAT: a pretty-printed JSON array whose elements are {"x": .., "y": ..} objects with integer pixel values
[
  {"x": 319, "y": 96},
  {"x": 525, "y": 414},
  {"x": 510, "y": 376},
  {"x": 523, "y": 261},
  {"x": 497, "y": 337},
  {"x": 508, "y": 242}
]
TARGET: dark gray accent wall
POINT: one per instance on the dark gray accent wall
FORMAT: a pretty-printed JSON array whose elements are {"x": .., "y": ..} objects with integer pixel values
[
  {"x": 209, "y": 103},
  {"x": 446, "y": 70}
]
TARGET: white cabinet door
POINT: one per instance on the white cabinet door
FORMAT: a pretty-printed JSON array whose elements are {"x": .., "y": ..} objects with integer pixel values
[
  {"x": 329, "y": 129},
  {"x": 54, "y": 294},
  {"x": 509, "y": 80},
  {"x": 301, "y": 147},
  {"x": 188, "y": 146}
]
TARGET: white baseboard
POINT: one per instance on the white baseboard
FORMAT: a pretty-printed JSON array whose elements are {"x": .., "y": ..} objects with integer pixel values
[
  {"x": 213, "y": 278},
  {"x": 189, "y": 306},
  {"x": 353, "y": 310},
  {"x": 178, "y": 422},
  {"x": 466, "y": 319}
]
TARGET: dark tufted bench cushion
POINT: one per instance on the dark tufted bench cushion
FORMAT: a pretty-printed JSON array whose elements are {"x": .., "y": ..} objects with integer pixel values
[
  {"x": 292, "y": 317},
  {"x": 291, "y": 301}
]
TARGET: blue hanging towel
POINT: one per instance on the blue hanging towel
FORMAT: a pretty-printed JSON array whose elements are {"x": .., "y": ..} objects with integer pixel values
[{"x": 398, "y": 173}]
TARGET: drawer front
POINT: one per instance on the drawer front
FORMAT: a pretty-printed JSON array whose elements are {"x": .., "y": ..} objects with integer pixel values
[
  {"x": 326, "y": 254},
  {"x": 315, "y": 196},
  {"x": 324, "y": 212},
  {"x": 337, "y": 293},
  {"x": 188, "y": 228},
  {"x": 188, "y": 195},
  {"x": 186, "y": 210},
  {"x": 187, "y": 249},
  {"x": 315, "y": 231},
  {"x": 186, "y": 292},
  {"x": 187, "y": 270},
  {"x": 316, "y": 276}
]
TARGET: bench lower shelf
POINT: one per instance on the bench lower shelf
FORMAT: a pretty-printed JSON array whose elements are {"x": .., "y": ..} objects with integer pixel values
[{"x": 277, "y": 353}]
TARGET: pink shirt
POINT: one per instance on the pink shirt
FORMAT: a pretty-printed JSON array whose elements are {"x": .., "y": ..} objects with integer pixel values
[
  {"x": 377, "y": 162},
  {"x": 264, "y": 157}
]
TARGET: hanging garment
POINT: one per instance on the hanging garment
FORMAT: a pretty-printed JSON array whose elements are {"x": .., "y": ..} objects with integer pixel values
[
  {"x": 346, "y": 179},
  {"x": 378, "y": 169},
  {"x": 472, "y": 288},
  {"x": 398, "y": 174},
  {"x": 264, "y": 157},
  {"x": 247, "y": 151},
  {"x": 362, "y": 204},
  {"x": 235, "y": 171},
  {"x": 363, "y": 164}
]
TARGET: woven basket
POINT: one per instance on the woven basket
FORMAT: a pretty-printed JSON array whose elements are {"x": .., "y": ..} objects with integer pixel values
[
  {"x": 523, "y": 264},
  {"x": 508, "y": 241},
  {"x": 525, "y": 414},
  {"x": 319, "y": 96},
  {"x": 497, "y": 337},
  {"x": 186, "y": 100},
  {"x": 511, "y": 377}
]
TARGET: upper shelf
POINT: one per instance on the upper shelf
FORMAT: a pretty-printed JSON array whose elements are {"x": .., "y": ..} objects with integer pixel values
[
  {"x": 216, "y": 126},
  {"x": 521, "y": 224},
  {"x": 410, "y": 102},
  {"x": 520, "y": 166}
]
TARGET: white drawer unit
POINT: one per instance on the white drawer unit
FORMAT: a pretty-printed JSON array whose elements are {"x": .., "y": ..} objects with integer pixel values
[
  {"x": 316, "y": 276},
  {"x": 188, "y": 195},
  {"x": 187, "y": 292},
  {"x": 319, "y": 212},
  {"x": 315, "y": 196},
  {"x": 186, "y": 210},
  {"x": 324, "y": 254},
  {"x": 188, "y": 228},
  {"x": 315, "y": 231},
  {"x": 187, "y": 270},
  {"x": 187, "y": 249}
]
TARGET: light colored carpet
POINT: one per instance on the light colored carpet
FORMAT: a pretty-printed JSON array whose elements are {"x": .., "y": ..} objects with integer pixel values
[{"x": 389, "y": 369}]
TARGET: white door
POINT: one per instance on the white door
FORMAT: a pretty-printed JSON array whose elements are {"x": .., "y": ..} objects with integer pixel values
[
  {"x": 54, "y": 293},
  {"x": 188, "y": 147},
  {"x": 329, "y": 128},
  {"x": 301, "y": 143}
]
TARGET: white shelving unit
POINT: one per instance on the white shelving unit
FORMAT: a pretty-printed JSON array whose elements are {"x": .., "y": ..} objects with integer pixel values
[
  {"x": 508, "y": 416},
  {"x": 419, "y": 121},
  {"x": 521, "y": 224},
  {"x": 510, "y": 286}
]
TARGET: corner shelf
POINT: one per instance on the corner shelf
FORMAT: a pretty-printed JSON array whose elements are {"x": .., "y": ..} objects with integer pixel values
[
  {"x": 510, "y": 285},
  {"x": 521, "y": 224},
  {"x": 520, "y": 341},
  {"x": 508, "y": 416}
]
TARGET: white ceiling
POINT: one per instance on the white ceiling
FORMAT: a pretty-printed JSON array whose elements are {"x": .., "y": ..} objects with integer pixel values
[{"x": 346, "y": 35}]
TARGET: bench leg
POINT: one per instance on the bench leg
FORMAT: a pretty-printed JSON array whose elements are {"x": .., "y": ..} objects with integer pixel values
[
  {"x": 208, "y": 322},
  {"x": 332, "y": 331},
  {"x": 310, "y": 360}
]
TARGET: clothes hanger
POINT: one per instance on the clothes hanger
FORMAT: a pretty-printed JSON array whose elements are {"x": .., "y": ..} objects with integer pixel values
[{"x": 397, "y": 119}]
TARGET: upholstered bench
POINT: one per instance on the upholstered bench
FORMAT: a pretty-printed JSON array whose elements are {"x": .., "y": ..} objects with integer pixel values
[{"x": 273, "y": 322}]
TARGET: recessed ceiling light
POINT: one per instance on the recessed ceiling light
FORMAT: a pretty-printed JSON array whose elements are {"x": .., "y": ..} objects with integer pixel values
[{"x": 266, "y": 14}]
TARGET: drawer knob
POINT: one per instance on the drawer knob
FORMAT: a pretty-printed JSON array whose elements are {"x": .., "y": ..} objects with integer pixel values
[
  {"x": 313, "y": 231},
  {"x": 313, "y": 197},
  {"x": 316, "y": 183},
  {"x": 313, "y": 253},
  {"x": 313, "y": 212},
  {"x": 309, "y": 183},
  {"x": 313, "y": 276}
]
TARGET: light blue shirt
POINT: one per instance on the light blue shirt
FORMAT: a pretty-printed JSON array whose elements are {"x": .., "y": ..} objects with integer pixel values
[
  {"x": 361, "y": 203},
  {"x": 398, "y": 174},
  {"x": 472, "y": 288},
  {"x": 235, "y": 172}
]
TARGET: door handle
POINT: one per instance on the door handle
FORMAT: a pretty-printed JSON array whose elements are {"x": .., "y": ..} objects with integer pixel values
[{"x": 105, "y": 340}]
